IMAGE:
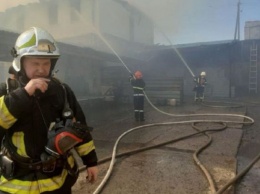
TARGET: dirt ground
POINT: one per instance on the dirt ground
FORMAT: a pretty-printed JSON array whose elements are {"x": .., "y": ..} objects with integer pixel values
[{"x": 170, "y": 168}]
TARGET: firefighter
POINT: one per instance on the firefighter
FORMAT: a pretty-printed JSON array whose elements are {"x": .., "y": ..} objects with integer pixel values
[
  {"x": 138, "y": 85},
  {"x": 31, "y": 160},
  {"x": 199, "y": 88}
]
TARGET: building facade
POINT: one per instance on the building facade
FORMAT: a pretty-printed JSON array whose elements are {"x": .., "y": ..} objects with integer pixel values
[
  {"x": 104, "y": 25},
  {"x": 91, "y": 34},
  {"x": 252, "y": 30}
]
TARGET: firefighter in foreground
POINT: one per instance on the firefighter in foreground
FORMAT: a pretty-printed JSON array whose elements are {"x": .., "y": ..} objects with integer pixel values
[
  {"x": 44, "y": 124},
  {"x": 138, "y": 85},
  {"x": 199, "y": 88}
]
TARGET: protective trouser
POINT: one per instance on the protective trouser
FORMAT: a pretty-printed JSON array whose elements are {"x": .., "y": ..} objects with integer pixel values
[
  {"x": 199, "y": 93},
  {"x": 139, "y": 107}
]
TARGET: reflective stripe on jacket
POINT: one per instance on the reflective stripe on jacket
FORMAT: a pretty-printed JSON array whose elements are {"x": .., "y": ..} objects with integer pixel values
[
  {"x": 138, "y": 85},
  {"x": 6, "y": 118}
]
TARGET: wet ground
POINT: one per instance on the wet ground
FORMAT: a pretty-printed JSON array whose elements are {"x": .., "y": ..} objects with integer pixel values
[{"x": 170, "y": 168}]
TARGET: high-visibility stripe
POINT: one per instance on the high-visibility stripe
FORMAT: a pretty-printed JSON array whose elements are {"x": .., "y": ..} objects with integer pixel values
[
  {"x": 31, "y": 42},
  {"x": 139, "y": 110},
  {"x": 71, "y": 161},
  {"x": 138, "y": 88},
  {"x": 85, "y": 148},
  {"x": 18, "y": 141},
  {"x": 35, "y": 187},
  {"x": 138, "y": 94},
  {"x": 6, "y": 118}
]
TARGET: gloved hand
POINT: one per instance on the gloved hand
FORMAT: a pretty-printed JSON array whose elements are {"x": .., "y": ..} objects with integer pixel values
[{"x": 131, "y": 76}]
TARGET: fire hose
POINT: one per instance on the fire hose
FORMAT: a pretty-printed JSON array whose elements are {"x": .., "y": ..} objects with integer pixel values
[{"x": 195, "y": 155}]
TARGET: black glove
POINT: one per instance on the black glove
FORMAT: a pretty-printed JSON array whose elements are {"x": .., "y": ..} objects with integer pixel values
[{"x": 131, "y": 76}]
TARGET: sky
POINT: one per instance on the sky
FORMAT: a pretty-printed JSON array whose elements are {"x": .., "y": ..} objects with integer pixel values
[{"x": 188, "y": 21}]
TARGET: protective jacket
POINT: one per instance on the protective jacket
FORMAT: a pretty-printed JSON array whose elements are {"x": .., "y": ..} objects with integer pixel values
[
  {"x": 138, "y": 86},
  {"x": 200, "y": 81},
  {"x": 26, "y": 120}
]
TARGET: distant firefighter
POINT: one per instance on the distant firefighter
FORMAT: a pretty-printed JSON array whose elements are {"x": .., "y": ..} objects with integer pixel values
[
  {"x": 138, "y": 85},
  {"x": 200, "y": 86}
]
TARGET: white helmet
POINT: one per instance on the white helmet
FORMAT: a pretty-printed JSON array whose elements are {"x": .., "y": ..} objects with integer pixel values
[
  {"x": 34, "y": 42},
  {"x": 203, "y": 73}
]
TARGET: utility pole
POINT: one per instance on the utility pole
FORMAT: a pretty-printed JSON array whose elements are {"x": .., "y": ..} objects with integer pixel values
[
  {"x": 233, "y": 50},
  {"x": 237, "y": 29}
]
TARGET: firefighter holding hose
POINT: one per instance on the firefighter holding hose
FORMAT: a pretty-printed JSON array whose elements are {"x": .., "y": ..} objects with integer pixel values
[
  {"x": 199, "y": 88},
  {"x": 138, "y": 85}
]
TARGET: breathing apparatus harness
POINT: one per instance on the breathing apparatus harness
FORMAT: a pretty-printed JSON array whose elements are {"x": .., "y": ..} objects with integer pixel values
[{"x": 61, "y": 141}]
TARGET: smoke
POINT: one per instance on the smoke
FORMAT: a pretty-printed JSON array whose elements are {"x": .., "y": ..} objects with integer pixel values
[{"x": 6, "y": 4}]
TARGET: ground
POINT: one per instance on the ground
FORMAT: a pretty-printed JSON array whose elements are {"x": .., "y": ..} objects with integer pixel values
[{"x": 171, "y": 168}]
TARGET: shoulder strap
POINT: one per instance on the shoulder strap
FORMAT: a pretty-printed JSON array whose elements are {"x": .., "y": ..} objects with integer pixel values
[
  {"x": 67, "y": 112},
  {"x": 11, "y": 84}
]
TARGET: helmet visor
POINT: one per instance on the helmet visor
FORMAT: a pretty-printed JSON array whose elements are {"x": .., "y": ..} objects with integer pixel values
[{"x": 46, "y": 46}]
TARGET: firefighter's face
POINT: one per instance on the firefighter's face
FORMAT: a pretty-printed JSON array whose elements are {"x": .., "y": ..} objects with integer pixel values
[{"x": 36, "y": 67}]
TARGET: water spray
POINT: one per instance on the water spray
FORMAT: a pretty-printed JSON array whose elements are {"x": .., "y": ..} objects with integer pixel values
[
  {"x": 167, "y": 38},
  {"x": 104, "y": 40}
]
